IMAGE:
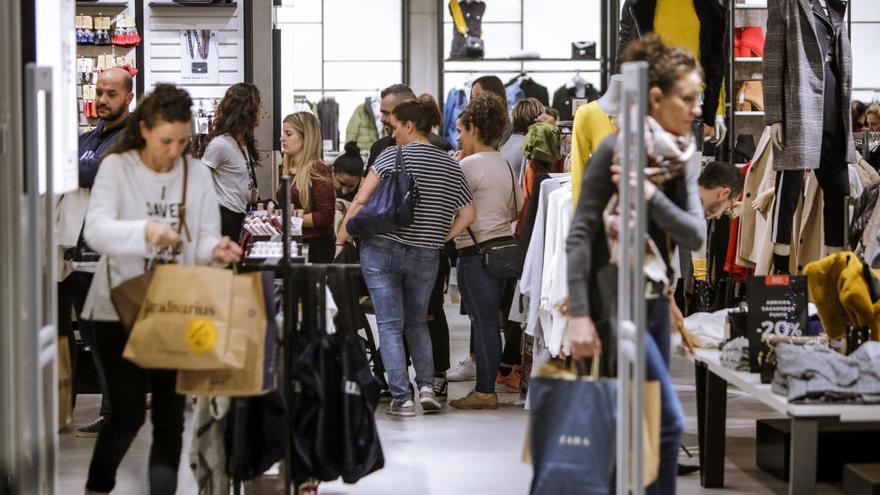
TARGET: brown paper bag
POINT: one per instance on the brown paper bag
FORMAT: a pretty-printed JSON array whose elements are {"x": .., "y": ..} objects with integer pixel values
[
  {"x": 65, "y": 385},
  {"x": 249, "y": 315},
  {"x": 184, "y": 322}
]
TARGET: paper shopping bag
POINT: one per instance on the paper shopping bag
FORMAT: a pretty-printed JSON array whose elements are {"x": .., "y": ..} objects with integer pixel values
[
  {"x": 253, "y": 312},
  {"x": 184, "y": 321}
]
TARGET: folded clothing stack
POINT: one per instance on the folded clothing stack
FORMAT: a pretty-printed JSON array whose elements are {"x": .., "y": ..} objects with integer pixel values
[
  {"x": 819, "y": 374},
  {"x": 735, "y": 354}
]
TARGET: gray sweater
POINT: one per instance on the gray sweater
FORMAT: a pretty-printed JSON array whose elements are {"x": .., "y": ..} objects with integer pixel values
[{"x": 587, "y": 246}]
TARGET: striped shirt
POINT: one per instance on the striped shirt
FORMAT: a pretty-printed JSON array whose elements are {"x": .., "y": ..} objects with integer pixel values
[{"x": 442, "y": 188}]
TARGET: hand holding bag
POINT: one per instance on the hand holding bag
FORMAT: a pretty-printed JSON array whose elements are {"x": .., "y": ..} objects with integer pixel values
[
  {"x": 391, "y": 206},
  {"x": 500, "y": 258}
]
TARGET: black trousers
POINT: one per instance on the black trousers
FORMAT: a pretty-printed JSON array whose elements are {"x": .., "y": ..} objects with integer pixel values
[
  {"x": 321, "y": 249},
  {"x": 127, "y": 388},
  {"x": 438, "y": 327},
  {"x": 230, "y": 223},
  {"x": 72, "y": 292}
]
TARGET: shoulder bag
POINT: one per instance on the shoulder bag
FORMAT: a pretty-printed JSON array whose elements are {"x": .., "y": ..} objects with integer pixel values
[
  {"x": 500, "y": 258},
  {"x": 392, "y": 205}
]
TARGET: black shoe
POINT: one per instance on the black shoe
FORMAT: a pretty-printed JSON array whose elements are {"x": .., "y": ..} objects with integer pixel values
[
  {"x": 384, "y": 396},
  {"x": 684, "y": 469},
  {"x": 441, "y": 388},
  {"x": 92, "y": 429}
]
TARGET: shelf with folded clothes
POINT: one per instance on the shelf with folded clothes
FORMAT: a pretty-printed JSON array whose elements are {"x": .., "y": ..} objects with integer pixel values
[
  {"x": 749, "y": 60},
  {"x": 162, "y": 5},
  {"x": 749, "y": 114}
]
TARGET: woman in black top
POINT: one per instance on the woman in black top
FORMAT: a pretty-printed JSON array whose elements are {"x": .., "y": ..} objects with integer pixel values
[{"x": 675, "y": 217}]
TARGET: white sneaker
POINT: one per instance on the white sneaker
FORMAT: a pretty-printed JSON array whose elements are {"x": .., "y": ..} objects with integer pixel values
[
  {"x": 430, "y": 403},
  {"x": 464, "y": 371}
]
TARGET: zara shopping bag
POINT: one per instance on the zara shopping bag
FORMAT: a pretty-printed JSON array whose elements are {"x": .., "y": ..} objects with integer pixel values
[
  {"x": 185, "y": 321},
  {"x": 392, "y": 204},
  {"x": 253, "y": 312},
  {"x": 572, "y": 429}
]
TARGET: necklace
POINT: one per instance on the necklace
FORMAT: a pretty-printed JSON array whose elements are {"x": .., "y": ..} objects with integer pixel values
[
  {"x": 202, "y": 39},
  {"x": 189, "y": 43}
]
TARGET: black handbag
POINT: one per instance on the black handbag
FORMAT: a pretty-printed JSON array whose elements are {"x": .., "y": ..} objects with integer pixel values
[
  {"x": 391, "y": 206},
  {"x": 500, "y": 257},
  {"x": 474, "y": 47},
  {"x": 583, "y": 50}
]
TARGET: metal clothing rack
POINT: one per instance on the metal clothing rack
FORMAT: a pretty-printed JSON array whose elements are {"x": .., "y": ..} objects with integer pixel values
[{"x": 631, "y": 311}]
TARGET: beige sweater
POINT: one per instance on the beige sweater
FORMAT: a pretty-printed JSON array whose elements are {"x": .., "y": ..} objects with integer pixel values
[{"x": 493, "y": 186}]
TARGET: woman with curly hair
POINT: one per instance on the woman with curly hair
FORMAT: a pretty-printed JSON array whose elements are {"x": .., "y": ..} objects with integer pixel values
[
  {"x": 497, "y": 198},
  {"x": 231, "y": 154},
  {"x": 136, "y": 219},
  {"x": 312, "y": 193}
]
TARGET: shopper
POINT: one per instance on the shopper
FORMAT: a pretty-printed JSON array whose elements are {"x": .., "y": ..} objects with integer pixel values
[
  {"x": 438, "y": 326},
  {"x": 134, "y": 221},
  {"x": 497, "y": 199},
  {"x": 391, "y": 97},
  {"x": 400, "y": 267},
  {"x": 348, "y": 172},
  {"x": 113, "y": 92},
  {"x": 525, "y": 113},
  {"x": 313, "y": 197},
  {"x": 493, "y": 84},
  {"x": 872, "y": 118},
  {"x": 859, "y": 115},
  {"x": 675, "y": 217},
  {"x": 231, "y": 154}
]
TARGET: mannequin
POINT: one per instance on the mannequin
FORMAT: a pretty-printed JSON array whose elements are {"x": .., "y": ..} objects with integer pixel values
[
  {"x": 695, "y": 25},
  {"x": 808, "y": 115},
  {"x": 593, "y": 122}
]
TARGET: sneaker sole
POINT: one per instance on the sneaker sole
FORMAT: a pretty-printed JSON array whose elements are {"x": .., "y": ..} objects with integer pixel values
[
  {"x": 506, "y": 388},
  {"x": 461, "y": 378},
  {"x": 430, "y": 406},
  {"x": 401, "y": 414}
]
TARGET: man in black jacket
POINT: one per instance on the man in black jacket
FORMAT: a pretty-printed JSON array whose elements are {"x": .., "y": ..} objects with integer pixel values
[
  {"x": 637, "y": 19},
  {"x": 113, "y": 93}
]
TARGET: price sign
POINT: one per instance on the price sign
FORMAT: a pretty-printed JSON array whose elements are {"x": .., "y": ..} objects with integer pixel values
[{"x": 777, "y": 306}]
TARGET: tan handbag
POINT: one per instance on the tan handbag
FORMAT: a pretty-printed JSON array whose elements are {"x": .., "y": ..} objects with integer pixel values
[
  {"x": 128, "y": 296},
  {"x": 750, "y": 97}
]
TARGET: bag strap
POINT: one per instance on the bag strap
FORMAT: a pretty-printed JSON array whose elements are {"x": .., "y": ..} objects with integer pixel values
[
  {"x": 398, "y": 160},
  {"x": 458, "y": 17},
  {"x": 513, "y": 200}
]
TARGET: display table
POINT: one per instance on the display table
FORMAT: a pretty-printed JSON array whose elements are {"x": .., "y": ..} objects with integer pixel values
[{"x": 711, "y": 382}]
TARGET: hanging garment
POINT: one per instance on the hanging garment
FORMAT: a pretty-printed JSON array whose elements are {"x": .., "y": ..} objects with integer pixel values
[
  {"x": 514, "y": 94},
  {"x": 565, "y": 97},
  {"x": 328, "y": 115},
  {"x": 554, "y": 276},
  {"x": 793, "y": 81},
  {"x": 255, "y": 434},
  {"x": 362, "y": 126},
  {"x": 639, "y": 18},
  {"x": 591, "y": 126},
  {"x": 207, "y": 456},
  {"x": 456, "y": 101},
  {"x": 840, "y": 291},
  {"x": 531, "y": 89},
  {"x": 472, "y": 17}
]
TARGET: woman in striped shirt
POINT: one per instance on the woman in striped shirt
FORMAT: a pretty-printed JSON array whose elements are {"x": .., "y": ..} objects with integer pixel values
[{"x": 400, "y": 267}]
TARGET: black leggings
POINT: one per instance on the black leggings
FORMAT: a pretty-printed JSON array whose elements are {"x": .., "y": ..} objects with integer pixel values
[
  {"x": 127, "y": 387},
  {"x": 230, "y": 223}
]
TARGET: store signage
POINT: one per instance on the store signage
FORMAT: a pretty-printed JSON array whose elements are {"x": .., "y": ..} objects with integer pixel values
[
  {"x": 199, "y": 58},
  {"x": 777, "y": 306}
]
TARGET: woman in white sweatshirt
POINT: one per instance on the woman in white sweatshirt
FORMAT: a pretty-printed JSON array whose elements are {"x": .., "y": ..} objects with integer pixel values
[{"x": 136, "y": 219}]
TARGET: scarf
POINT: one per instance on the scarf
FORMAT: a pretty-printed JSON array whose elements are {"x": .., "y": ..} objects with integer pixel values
[{"x": 665, "y": 151}]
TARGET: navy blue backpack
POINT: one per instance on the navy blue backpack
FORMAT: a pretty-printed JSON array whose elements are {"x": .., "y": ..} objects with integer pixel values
[{"x": 392, "y": 205}]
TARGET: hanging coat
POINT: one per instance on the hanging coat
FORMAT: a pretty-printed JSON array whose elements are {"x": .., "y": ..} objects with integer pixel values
[
  {"x": 362, "y": 127},
  {"x": 794, "y": 82}
]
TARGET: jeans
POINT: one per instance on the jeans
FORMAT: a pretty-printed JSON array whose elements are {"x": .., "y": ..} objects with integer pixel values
[
  {"x": 481, "y": 294},
  {"x": 72, "y": 291},
  {"x": 127, "y": 388},
  {"x": 671, "y": 414},
  {"x": 400, "y": 279}
]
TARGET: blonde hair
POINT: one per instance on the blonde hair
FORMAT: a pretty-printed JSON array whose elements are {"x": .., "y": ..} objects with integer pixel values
[
  {"x": 304, "y": 167},
  {"x": 874, "y": 110}
]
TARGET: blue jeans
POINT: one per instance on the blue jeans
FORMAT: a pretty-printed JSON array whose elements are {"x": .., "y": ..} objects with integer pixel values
[
  {"x": 671, "y": 414},
  {"x": 400, "y": 279},
  {"x": 481, "y": 295}
]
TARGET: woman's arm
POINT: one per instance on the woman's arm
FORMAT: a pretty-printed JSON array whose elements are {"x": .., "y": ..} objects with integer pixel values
[
  {"x": 324, "y": 196},
  {"x": 368, "y": 186},
  {"x": 596, "y": 190},
  {"x": 463, "y": 219},
  {"x": 104, "y": 232},
  {"x": 686, "y": 227}
]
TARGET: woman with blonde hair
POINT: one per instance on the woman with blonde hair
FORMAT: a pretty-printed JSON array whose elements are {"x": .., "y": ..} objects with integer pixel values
[{"x": 312, "y": 194}]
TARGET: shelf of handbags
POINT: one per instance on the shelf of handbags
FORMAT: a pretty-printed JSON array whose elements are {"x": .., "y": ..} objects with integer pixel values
[{"x": 746, "y": 115}]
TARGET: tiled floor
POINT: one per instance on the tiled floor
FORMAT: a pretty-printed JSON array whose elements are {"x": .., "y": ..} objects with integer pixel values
[{"x": 456, "y": 452}]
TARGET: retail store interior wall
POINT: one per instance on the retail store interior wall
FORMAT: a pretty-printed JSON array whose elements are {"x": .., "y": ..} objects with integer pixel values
[{"x": 865, "y": 36}]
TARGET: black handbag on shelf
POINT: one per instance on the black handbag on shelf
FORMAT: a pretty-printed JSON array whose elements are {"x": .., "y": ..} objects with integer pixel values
[
  {"x": 474, "y": 47},
  {"x": 500, "y": 257},
  {"x": 583, "y": 50}
]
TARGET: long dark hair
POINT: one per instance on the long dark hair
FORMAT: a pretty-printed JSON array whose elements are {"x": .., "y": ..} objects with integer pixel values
[
  {"x": 236, "y": 115},
  {"x": 167, "y": 103},
  {"x": 494, "y": 85}
]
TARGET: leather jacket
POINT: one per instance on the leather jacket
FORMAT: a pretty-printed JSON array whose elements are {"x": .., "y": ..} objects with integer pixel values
[{"x": 637, "y": 19}]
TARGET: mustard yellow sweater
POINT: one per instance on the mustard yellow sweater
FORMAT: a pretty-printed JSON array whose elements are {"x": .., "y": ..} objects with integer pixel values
[{"x": 591, "y": 126}]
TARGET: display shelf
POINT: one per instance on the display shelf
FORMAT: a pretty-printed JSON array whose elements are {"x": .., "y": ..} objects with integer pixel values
[
  {"x": 749, "y": 114},
  {"x": 749, "y": 59},
  {"x": 751, "y": 6},
  {"x": 163, "y": 5},
  {"x": 451, "y": 60},
  {"x": 102, "y": 5}
]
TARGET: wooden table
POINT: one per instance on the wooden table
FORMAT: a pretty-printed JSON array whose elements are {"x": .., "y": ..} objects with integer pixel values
[{"x": 711, "y": 382}]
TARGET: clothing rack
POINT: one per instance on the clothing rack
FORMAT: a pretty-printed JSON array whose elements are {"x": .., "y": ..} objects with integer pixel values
[{"x": 864, "y": 139}]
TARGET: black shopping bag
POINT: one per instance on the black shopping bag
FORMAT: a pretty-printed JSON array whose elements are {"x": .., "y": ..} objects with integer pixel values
[{"x": 572, "y": 435}]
